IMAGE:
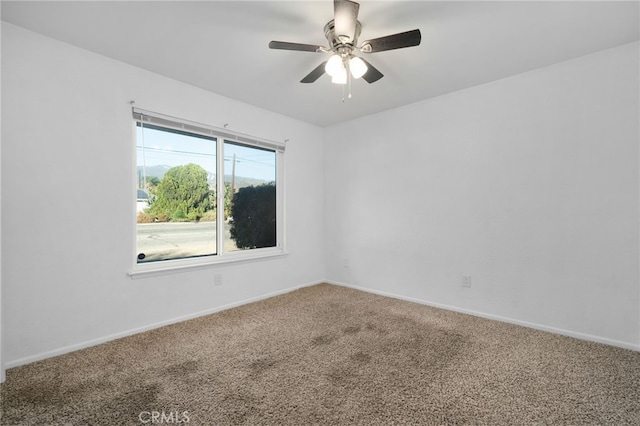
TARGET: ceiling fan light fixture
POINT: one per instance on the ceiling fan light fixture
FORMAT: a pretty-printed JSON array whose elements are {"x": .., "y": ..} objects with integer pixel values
[
  {"x": 357, "y": 67},
  {"x": 340, "y": 77},
  {"x": 334, "y": 66},
  {"x": 342, "y": 33}
]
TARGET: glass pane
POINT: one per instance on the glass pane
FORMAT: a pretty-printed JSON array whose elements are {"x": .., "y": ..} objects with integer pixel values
[
  {"x": 176, "y": 208},
  {"x": 250, "y": 197}
]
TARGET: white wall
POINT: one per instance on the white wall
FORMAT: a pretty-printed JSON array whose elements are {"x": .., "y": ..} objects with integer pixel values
[
  {"x": 528, "y": 184},
  {"x": 2, "y": 368},
  {"x": 67, "y": 192}
]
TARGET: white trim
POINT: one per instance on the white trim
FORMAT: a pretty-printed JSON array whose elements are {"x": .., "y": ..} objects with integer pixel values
[
  {"x": 281, "y": 201},
  {"x": 101, "y": 340},
  {"x": 220, "y": 207},
  {"x": 174, "y": 266},
  {"x": 554, "y": 330},
  {"x": 131, "y": 332},
  {"x": 134, "y": 188},
  {"x": 221, "y": 136}
]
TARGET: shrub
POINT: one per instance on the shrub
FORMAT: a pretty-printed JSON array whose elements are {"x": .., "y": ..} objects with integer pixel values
[
  {"x": 144, "y": 218},
  {"x": 178, "y": 214},
  {"x": 209, "y": 216},
  {"x": 161, "y": 217},
  {"x": 254, "y": 217}
]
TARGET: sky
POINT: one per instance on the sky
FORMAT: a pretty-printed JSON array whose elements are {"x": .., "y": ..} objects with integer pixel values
[{"x": 172, "y": 149}]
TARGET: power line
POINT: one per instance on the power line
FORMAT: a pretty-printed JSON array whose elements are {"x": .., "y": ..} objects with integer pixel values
[
  {"x": 174, "y": 151},
  {"x": 202, "y": 154}
]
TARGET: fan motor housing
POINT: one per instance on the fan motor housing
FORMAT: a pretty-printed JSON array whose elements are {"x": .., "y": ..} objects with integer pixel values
[{"x": 335, "y": 42}]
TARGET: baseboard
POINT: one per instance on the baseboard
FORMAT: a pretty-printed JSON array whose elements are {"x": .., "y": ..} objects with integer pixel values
[
  {"x": 563, "y": 332},
  {"x": 105, "y": 339}
]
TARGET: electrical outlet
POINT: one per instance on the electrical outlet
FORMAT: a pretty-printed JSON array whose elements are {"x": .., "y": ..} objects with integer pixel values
[
  {"x": 217, "y": 279},
  {"x": 345, "y": 262},
  {"x": 466, "y": 281}
]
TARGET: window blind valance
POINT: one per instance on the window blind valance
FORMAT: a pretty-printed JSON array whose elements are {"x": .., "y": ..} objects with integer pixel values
[{"x": 154, "y": 118}]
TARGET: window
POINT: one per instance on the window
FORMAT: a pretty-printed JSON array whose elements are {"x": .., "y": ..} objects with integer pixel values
[{"x": 204, "y": 195}]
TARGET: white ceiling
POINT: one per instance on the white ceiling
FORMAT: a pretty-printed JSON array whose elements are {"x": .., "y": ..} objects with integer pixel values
[{"x": 221, "y": 46}]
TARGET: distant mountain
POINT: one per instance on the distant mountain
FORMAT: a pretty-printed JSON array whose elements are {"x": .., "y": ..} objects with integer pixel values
[
  {"x": 157, "y": 171},
  {"x": 239, "y": 182}
]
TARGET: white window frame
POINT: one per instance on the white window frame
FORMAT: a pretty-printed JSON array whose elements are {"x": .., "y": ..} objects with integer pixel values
[{"x": 139, "y": 270}]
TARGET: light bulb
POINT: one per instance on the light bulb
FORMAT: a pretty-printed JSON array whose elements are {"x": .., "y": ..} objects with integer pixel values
[
  {"x": 334, "y": 65},
  {"x": 340, "y": 77},
  {"x": 358, "y": 67}
]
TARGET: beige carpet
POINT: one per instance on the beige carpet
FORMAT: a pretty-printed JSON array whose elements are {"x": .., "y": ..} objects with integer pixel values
[{"x": 329, "y": 355}]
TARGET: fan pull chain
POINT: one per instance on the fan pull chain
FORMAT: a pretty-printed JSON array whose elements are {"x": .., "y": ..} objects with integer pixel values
[
  {"x": 348, "y": 71},
  {"x": 348, "y": 78},
  {"x": 346, "y": 87}
]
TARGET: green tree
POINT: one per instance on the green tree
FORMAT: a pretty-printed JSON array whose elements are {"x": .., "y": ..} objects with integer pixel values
[
  {"x": 152, "y": 182},
  {"x": 254, "y": 216},
  {"x": 183, "y": 193}
]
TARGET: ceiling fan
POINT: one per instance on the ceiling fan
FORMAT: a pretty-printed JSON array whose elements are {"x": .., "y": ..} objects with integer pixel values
[{"x": 342, "y": 33}]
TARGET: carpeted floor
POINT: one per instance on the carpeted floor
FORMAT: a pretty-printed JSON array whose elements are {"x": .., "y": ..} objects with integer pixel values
[{"x": 332, "y": 356}]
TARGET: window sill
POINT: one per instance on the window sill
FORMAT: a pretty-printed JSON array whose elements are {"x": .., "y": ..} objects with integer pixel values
[{"x": 186, "y": 265}]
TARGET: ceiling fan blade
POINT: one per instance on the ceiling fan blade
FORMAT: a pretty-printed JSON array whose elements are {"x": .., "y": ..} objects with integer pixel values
[
  {"x": 395, "y": 41},
  {"x": 372, "y": 75},
  {"x": 345, "y": 19},
  {"x": 284, "y": 45},
  {"x": 315, "y": 74}
]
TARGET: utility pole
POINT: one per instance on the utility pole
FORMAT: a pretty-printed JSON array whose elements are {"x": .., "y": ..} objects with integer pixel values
[{"x": 233, "y": 179}]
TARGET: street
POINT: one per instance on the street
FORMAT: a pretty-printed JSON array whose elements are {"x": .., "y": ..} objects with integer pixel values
[{"x": 170, "y": 240}]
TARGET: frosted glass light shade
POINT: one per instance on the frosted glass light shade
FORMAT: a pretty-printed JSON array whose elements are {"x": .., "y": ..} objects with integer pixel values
[
  {"x": 340, "y": 77},
  {"x": 358, "y": 67},
  {"x": 334, "y": 66}
]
